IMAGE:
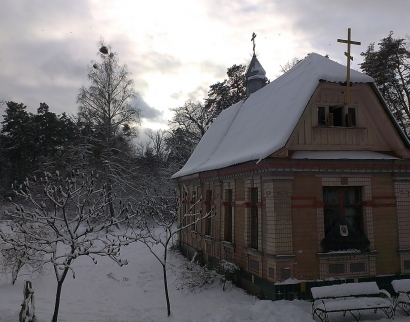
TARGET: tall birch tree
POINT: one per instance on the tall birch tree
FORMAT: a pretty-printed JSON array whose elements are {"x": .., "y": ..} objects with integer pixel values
[{"x": 105, "y": 106}]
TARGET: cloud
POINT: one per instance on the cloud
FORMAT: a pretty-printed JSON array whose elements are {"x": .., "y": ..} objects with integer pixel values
[
  {"x": 176, "y": 53},
  {"x": 320, "y": 26},
  {"x": 198, "y": 94},
  {"x": 217, "y": 70},
  {"x": 148, "y": 112},
  {"x": 161, "y": 62}
]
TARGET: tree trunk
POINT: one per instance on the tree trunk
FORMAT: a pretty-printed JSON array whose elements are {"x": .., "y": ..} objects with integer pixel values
[
  {"x": 58, "y": 295},
  {"x": 166, "y": 290}
]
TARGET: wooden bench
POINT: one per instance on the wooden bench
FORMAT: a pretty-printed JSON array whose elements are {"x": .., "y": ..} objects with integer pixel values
[
  {"x": 352, "y": 298},
  {"x": 402, "y": 296}
]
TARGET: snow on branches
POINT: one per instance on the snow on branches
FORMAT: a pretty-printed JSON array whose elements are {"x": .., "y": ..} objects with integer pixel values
[{"x": 63, "y": 218}]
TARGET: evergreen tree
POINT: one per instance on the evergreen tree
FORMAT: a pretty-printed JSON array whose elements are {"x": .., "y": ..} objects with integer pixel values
[
  {"x": 223, "y": 94},
  {"x": 17, "y": 141},
  {"x": 389, "y": 65},
  {"x": 32, "y": 142}
]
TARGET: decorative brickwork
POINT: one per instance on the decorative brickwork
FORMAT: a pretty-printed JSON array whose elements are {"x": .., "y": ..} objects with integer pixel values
[
  {"x": 351, "y": 262},
  {"x": 249, "y": 184},
  {"x": 282, "y": 216},
  {"x": 402, "y": 194}
]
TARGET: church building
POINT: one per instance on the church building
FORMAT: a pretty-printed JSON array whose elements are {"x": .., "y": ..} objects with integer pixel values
[{"x": 306, "y": 179}]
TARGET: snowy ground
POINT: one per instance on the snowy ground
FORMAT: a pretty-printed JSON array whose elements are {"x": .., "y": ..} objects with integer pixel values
[{"x": 136, "y": 294}]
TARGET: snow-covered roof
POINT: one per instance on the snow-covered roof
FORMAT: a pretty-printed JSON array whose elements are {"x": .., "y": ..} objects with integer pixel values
[{"x": 254, "y": 128}]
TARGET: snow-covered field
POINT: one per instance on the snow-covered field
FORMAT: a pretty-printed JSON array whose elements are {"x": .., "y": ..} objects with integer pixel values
[{"x": 106, "y": 292}]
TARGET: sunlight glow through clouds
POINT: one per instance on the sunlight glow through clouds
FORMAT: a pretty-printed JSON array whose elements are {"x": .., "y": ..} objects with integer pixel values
[
  {"x": 174, "y": 49},
  {"x": 177, "y": 30},
  {"x": 186, "y": 31}
]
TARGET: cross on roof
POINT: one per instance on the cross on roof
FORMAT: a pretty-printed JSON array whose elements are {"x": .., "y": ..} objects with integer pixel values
[
  {"x": 349, "y": 58},
  {"x": 253, "y": 40}
]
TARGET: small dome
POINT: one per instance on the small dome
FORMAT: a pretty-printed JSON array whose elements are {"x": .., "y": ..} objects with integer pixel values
[
  {"x": 255, "y": 76},
  {"x": 255, "y": 70}
]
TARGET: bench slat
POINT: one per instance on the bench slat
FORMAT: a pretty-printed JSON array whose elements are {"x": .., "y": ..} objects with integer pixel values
[{"x": 352, "y": 304}]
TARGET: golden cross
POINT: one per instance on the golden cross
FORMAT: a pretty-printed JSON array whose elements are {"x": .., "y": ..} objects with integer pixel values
[
  {"x": 253, "y": 40},
  {"x": 349, "y": 58}
]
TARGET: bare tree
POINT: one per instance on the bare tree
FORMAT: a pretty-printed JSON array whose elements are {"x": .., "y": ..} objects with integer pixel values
[
  {"x": 187, "y": 127},
  {"x": 288, "y": 66},
  {"x": 64, "y": 220},
  {"x": 106, "y": 108},
  {"x": 13, "y": 260},
  {"x": 158, "y": 224},
  {"x": 193, "y": 118},
  {"x": 158, "y": 143}
]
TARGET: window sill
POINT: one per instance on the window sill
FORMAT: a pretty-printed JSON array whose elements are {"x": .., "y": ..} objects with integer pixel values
[
  {"x": 347, "y": 254},
  {"x": 338, "y": 127},
  {"x": 208, "y": 237},
  {"x": 285, "y": 257},
  {"x": 228, "y": 244},
  {"x": 253, "y": 252}
]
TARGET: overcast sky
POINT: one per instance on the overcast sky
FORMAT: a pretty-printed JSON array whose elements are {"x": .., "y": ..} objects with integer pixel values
[{"x": 175, "y": 49}]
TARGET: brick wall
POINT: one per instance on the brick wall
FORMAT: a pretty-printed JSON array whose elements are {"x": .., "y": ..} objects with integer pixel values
[
  {"x": 291, "y": 226},
  {"x": 240, "y": 242},
  {"x": 402, "y": 194},
  {"x": 385, "y": 225},
  {"x": 307, "y": 190}
]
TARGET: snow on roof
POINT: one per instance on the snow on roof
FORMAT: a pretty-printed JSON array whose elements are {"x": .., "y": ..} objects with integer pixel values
[
  {"x": 347, "y": 155},
  {"x": 260, "y": 125}
]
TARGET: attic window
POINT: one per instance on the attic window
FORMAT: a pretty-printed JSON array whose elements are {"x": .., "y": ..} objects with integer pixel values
[
  {"x": 351, "y": 117},
  {"x": 337, "y": 115},
  {"x": 321, "y": 115}
]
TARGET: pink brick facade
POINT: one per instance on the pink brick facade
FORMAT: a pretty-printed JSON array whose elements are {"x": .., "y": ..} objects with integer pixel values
[{"x": 290, "y": 219}]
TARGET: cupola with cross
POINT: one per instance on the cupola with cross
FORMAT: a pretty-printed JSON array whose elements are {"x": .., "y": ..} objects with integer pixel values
[{"x": 255, "y": 74}]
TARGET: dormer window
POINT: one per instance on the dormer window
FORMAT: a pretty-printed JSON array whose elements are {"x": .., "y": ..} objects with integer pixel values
[
  {"x": 351, "y": 117},
  {"x": 336, "y": 115},
  {"x": 321, "y": 115}
]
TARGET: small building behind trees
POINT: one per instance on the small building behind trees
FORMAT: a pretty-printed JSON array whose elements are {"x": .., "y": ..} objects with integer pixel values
[{"x": 302, "y": 185}]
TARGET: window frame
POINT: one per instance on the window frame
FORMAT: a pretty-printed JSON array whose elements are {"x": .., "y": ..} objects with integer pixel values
[
  {"x": 208, "y": 209},
  {"x": 342, "y": 206},
  {"x": 228, "y": 216},
  {"x": 323, "y": 111},
  {"x": 254, "y": 220},
  {"x": 192, "y": 208},
  {"x": 184, "y": 195}
]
